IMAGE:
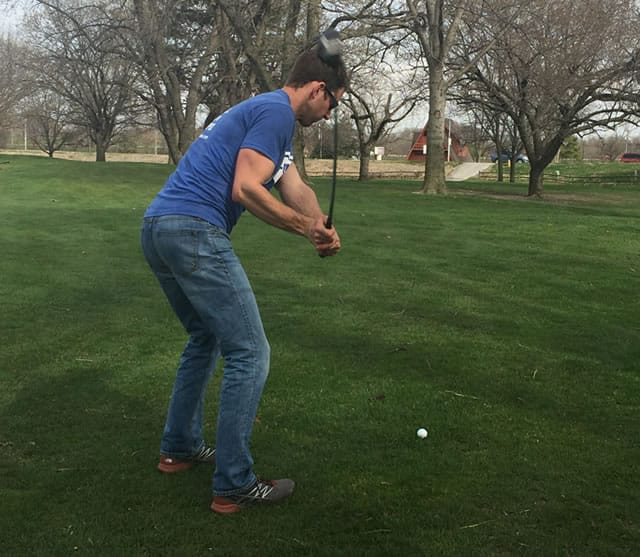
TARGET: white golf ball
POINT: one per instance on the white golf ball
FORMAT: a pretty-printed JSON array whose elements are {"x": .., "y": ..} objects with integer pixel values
[{"x": 422, "y": 433}]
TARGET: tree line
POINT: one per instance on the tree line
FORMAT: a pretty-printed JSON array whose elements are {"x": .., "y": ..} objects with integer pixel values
[{"x": 529, "y": 74}]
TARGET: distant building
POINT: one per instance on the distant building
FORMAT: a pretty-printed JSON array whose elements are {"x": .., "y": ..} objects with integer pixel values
[{"x": 459, "y": 151}]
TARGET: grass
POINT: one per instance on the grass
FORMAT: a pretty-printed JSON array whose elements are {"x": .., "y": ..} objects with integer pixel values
[
  {"x": 583, "y": 173},
  {"x": 508, "y": 328}
]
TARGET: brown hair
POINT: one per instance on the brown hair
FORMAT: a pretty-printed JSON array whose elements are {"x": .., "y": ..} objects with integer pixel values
[{"x": 309, "y": 67}]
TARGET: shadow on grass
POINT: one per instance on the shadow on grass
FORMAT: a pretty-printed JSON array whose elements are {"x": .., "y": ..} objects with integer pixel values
[{"x": 78, "y": 469}]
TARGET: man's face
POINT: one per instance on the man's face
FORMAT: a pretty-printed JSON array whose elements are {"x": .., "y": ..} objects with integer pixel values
[{"x": 321, "y": 102}]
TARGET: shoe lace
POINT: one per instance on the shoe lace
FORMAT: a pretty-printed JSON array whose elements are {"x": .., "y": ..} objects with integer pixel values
[
  {"x": 262, "y": 488},
  {"x": 205, "y": 453}
]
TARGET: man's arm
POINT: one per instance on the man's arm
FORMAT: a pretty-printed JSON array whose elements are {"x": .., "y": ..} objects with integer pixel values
[
  {"x": 298, "y": 195},
  {"x": 252, "y": 171}
]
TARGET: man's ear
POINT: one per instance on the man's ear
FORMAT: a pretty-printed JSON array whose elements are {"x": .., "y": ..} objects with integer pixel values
[{"x": 316, "y": 89}]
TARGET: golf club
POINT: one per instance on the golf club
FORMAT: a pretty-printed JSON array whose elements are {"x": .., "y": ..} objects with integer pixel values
[
  {"x": 332, "y": 201},
  {"x": 329, "y": 50}
]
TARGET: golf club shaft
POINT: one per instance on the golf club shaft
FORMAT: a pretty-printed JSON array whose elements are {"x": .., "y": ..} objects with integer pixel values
[{"x": 332, "y": 201}]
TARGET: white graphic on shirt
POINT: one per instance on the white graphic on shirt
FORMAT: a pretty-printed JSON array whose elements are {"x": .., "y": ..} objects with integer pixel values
[{"x": 287, "y": 161}]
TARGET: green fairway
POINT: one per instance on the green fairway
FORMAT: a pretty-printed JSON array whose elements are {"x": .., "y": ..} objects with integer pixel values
[{"x": 508, "y": 328}]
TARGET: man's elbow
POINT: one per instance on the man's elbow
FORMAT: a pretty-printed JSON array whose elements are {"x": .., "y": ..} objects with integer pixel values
[{"x": 238, "y": 194}]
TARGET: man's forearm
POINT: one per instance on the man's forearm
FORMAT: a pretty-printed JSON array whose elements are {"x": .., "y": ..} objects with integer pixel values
[
  {"x": 304, "y": 201},
  {"x": 259, "y": 202}
]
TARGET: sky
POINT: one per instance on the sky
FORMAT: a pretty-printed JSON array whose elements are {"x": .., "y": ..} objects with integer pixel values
[{"x": 11, "y": 17}]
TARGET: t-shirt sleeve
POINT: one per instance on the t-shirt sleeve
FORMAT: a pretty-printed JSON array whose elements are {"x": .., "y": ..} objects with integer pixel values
[{"x": 270, "y": 131}]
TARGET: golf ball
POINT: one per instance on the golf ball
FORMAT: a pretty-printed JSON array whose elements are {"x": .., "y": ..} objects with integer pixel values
[{"x": 422, "y": 433}]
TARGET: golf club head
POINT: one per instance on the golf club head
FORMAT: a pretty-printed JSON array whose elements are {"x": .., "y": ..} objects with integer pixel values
[{"x": 330, "y": 47}]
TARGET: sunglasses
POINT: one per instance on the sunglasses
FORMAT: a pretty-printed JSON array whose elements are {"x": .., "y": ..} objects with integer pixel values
[{"x": 333, "y": 102}]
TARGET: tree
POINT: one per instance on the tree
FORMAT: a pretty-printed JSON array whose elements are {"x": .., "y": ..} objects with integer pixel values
[
  {"x": 506, "y": 139},
  {"x": 75, "y": 60},
  {"x": 12, "y": 84},
  {"x": 47, "y": 116},
  {"x": 604, "y": 147},
  {"x": 178, "y": 48},
  {"x": 570, "y": 149},
  {"x": 436, "y": 28},
  {"x": 211, "y": 53},
  {"x": 380, "y": 95},
  {"x": 477, "y": 133},
  {"x": 561, "y": 69},
  {"x": 440, "y": 27},
  {"x": 271, "y": 34},
  {"x": 429, "y": 31}
]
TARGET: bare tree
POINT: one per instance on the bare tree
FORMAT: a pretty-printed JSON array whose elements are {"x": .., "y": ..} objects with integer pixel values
[
  {"x": 204, "y": 54},
  {"x": 12, "y": 84},
  {"x": 437, "y": 23},
  {"x": 561, "y": 70},
  {"x": 381, "y": 94},
  {"x": 441, "y": 26},
  {"x": 75, "y": 59},
  {"x": 178, "y": 55},
  {"x": 176, "y": 45},
  {"x": 476, "y": 132},
  {"x": 601, "y": 146},
  {"x": 433, "y": 28},
  {"x": 272, "y": 33},
  {"x": 504, "y": 134},
  {"x": 47, "y": 115},
  {"x": 374, "y": 121},
  {"x": 500, "y": 129}
]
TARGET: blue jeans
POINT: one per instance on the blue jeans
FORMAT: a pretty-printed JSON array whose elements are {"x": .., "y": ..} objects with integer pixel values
[{"x": 209, "y": 292}]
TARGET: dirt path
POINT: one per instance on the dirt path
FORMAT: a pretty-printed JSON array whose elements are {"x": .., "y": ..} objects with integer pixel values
[
  {"x": 315, "y": 167},
  {"x": 349, "y": 168}
]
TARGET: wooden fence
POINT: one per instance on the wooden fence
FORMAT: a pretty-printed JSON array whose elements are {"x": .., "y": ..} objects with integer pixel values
[{"x": 632, "y": 178}]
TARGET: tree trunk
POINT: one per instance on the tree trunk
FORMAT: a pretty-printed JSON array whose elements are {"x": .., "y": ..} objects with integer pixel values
[
  {"x": 434, "y": 177},
  {"x": 314, "y": 11},
  {"x": 298, "y": 153},
  {"x": 499, "y": 150},
  {"x": 512, "y": 171},
  {"x": 171, "y": 139},
  {"x": 536, "y": 176},
  {"x": 101, "y": 149},
  {"x": 363, "y": 173},
  {"x": 187, "y": 133}
]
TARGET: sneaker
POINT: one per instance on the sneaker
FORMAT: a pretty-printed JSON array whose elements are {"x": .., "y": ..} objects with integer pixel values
[
  {"x": 168, "y": 464},
  {"x": 263, "y": 491}
]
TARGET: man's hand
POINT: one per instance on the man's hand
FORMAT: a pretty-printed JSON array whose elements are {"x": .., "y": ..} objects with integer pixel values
[{"x": 325, "y": 240}]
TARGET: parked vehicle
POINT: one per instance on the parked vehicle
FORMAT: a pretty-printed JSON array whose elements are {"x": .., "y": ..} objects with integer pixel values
[
  {"x": 630, "y": 157},
  {"x": 506, "y": 157}
]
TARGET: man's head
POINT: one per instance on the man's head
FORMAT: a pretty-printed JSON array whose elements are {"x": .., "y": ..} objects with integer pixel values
[{"x": 322, "y": 79}]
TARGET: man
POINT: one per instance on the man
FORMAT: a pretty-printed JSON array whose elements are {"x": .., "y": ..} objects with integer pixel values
[{"x": 231, "y": 167}]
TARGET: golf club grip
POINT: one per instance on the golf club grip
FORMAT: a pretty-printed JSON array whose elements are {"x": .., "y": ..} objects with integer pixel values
[{"x": 329, "y": 222}]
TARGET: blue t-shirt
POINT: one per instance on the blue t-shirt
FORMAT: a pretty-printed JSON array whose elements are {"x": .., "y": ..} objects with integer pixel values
[{"x": 202, "y": 182}]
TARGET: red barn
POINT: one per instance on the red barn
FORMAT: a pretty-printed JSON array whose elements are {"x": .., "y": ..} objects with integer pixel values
[{"x": 459, "y": 151}]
